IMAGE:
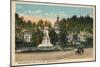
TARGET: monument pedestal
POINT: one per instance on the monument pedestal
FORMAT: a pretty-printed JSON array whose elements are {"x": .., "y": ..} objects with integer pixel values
[{"x": 45, "y": 42}]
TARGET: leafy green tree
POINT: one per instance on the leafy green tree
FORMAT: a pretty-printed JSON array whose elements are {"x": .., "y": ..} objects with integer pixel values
[
  {"x": 63, "y": 39},
  {"x": 29, "y": 25},
  {"x": 53, "y": 37}
]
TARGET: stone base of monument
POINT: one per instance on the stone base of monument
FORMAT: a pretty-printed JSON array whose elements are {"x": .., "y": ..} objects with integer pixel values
[{"x": 45, "y": 48}]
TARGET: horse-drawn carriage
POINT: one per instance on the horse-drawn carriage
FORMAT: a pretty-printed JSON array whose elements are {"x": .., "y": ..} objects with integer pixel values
[{"x": 80, "y": 50}]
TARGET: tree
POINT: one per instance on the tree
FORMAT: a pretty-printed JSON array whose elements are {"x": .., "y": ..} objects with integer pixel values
[
  {"x": 18, "y": 26},
  {"x": 40, "y": 23},
  {"x": 62, "y": 25},
  {"x": 53, "y": 37},
  {"x": 63, "y": 39},
  {"x": 37, "y": 37},
  {"x": 29, "y": 25}
]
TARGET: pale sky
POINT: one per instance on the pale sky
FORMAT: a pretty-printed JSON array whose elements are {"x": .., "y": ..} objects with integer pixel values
[{"x": 51, "y": 11}]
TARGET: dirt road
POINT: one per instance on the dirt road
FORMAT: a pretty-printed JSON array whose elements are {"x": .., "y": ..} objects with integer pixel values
[{"x": 55, "y": 55}]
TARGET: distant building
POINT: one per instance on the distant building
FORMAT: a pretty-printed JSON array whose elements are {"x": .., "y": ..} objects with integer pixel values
[{"x": 27, "y": 36}]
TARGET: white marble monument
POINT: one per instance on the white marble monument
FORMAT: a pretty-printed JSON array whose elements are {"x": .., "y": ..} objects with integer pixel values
[{"x": 46, "y": 39}]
